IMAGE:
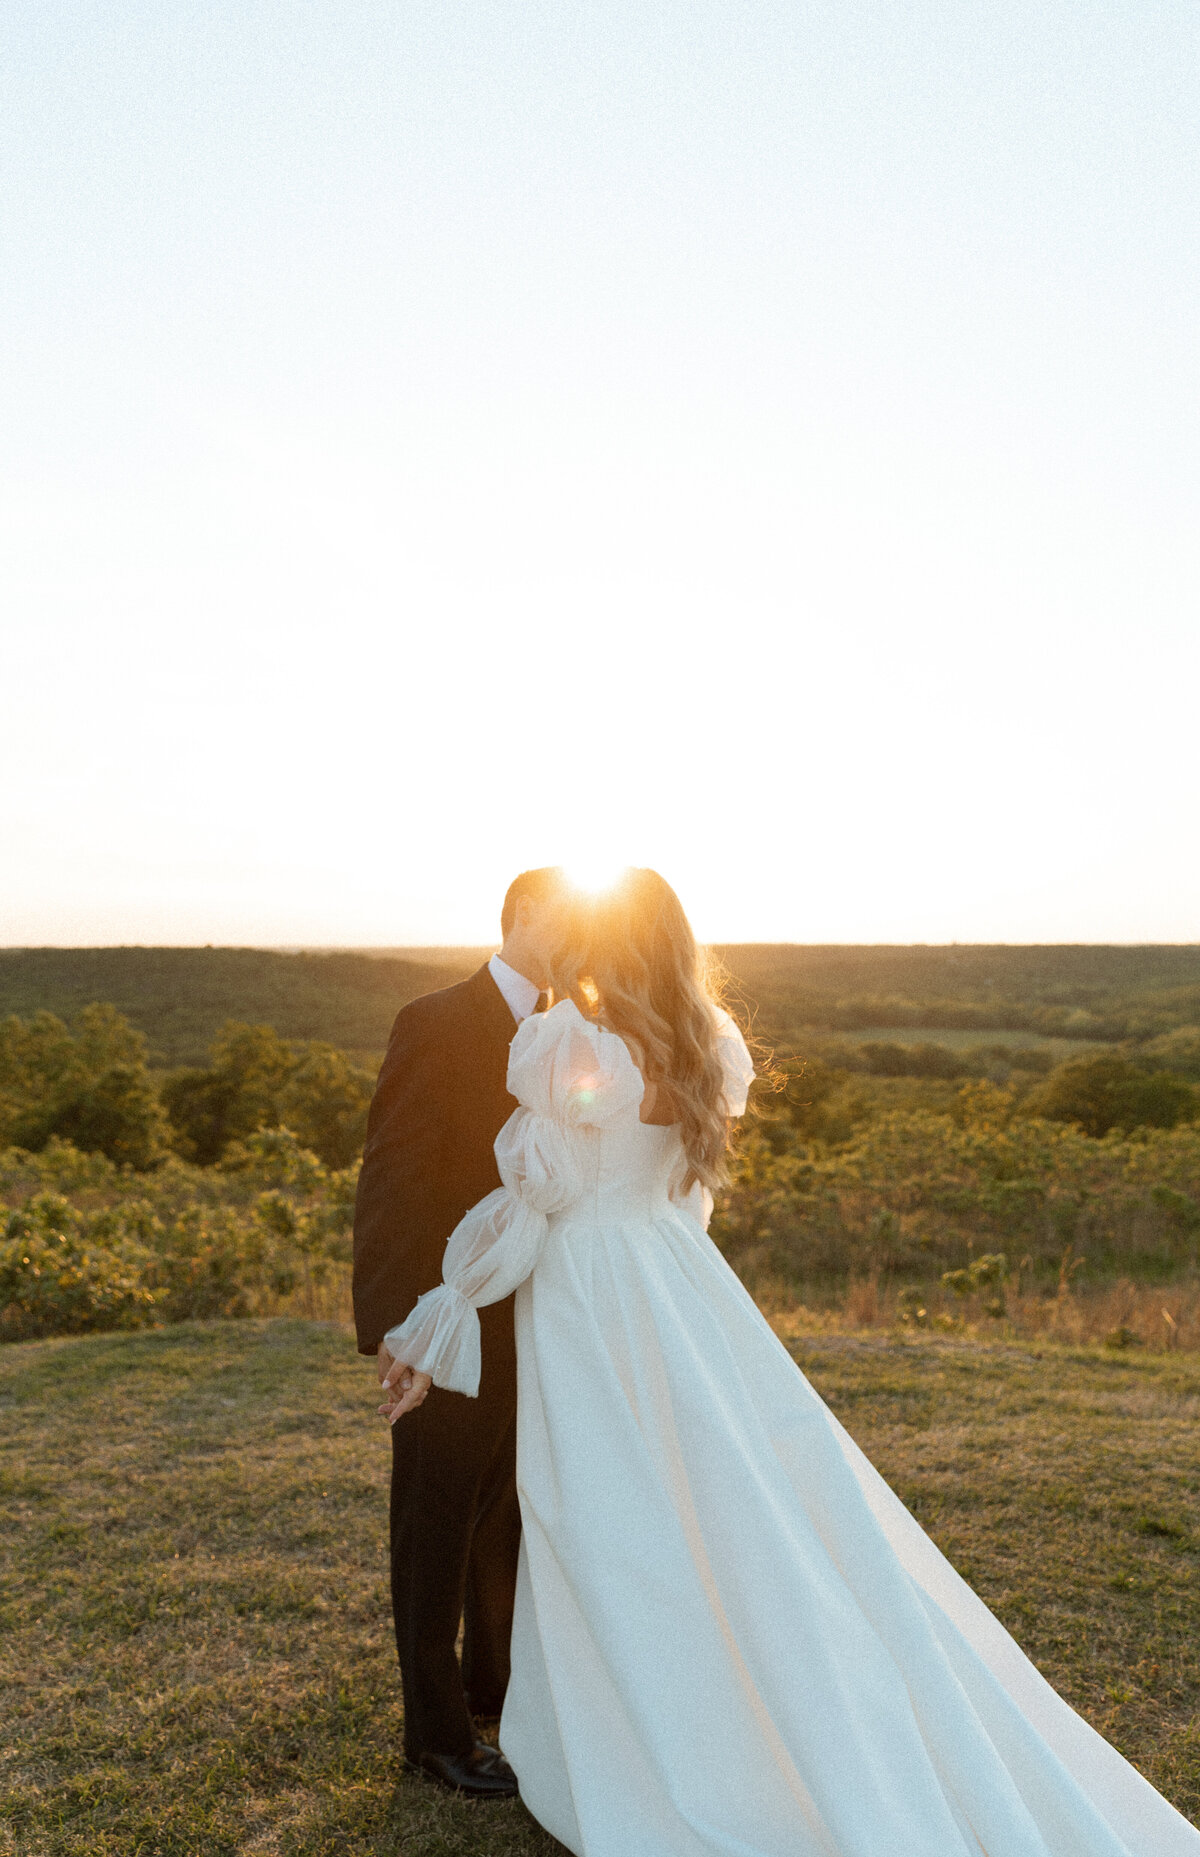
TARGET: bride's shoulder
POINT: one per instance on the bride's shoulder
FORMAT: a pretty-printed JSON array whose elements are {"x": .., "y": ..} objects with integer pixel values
[
  {"x": 546, "y": 1031},
  {"x": 565, "y": 1065}
]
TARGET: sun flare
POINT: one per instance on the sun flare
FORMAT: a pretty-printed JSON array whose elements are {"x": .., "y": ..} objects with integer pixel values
[{"x": 594, "y": 874}]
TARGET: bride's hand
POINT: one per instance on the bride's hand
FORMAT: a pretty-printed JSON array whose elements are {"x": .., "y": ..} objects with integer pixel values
[{"x": 404, "y": 1388}]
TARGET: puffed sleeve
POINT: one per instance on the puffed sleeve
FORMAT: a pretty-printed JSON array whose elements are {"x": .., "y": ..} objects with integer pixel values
[
  {"x": 737, "y": 1069},
  {"x": 736, "y": 1063},
  {"x": 569, "y": 1077}
]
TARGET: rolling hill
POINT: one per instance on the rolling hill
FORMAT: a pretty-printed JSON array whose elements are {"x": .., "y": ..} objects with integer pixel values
[{"x": 180, "y": 996}]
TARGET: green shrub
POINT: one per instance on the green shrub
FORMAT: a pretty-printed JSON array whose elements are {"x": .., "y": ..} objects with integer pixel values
[
  {"x": 1178, "y": 1051},
  {"x": 1107, "y": 1092},
  {"x": 56, "y": 1278},
  {"x": 89, "y": 1087},
  {"x": 258, "y": 1081},
  {"x": 93, "y": 1245},
  {"x": 915, "y": 1191},
  {"x": 211, "y": 1262},
  {"x": 910, "y": 1195},
  {"x": 1180, "y": 1208}
]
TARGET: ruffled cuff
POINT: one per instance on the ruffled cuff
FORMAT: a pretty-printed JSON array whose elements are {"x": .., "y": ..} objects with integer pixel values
[{"x": 440, "y": 1337}]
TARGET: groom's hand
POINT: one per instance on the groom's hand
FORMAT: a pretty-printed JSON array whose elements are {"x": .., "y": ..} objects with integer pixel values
[
  {"x": 386, "y": 1361},
  {"x": 404, "y": 1387}
]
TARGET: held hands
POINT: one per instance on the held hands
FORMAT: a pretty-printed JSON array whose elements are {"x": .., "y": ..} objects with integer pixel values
[{"x": 403, "y": 1387}]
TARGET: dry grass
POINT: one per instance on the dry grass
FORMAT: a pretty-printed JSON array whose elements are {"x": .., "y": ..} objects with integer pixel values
[
  {"x": 1160, "y": 1318},
  {"x": 197, "y": 1653},
  {"x": 196, "y": 1647}
]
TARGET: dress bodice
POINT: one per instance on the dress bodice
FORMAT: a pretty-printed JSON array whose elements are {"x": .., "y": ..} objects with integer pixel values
[
  {"x": 632, "y": 1167},
  {"x": 581, "y": 1094}
]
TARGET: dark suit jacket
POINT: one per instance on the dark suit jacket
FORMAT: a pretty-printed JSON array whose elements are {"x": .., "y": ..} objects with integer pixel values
[{"x": 441, "y": 1100}]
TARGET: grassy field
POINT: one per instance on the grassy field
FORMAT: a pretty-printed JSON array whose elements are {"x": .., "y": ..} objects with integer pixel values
[{"x": 196, "y": 1653}]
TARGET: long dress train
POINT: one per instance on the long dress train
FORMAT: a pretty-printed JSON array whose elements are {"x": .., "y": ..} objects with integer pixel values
[{"x": 731, "y": 1638}]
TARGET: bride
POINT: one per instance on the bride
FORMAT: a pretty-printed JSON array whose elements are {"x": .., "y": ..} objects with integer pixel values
[{"x": 731, "y": 1639}]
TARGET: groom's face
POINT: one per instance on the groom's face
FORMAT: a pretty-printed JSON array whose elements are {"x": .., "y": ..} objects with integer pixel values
[{"x": 543, "y": 920}]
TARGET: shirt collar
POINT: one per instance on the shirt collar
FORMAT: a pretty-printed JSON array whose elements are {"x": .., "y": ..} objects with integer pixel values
[{"x": 520, "y": 994}]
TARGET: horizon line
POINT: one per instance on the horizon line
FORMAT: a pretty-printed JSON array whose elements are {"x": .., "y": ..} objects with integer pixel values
[{"x": 475, "y": 947}]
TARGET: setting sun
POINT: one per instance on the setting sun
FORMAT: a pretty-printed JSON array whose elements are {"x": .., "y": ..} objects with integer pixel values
[{"x": 594, "y": 874}]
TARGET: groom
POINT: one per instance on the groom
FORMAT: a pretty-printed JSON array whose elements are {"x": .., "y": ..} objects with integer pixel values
[{"x": 441, "y": 1100}]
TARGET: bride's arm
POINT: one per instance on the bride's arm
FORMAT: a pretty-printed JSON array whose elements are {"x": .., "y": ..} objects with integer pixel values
[
  {"x": 492, "y": 1250},
  {"x": 697, "y": 1201},
  {"x": 569, "y": 1077}
]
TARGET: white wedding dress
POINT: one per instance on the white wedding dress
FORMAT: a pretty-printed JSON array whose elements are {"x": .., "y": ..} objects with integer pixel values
[{"x": 731, "y": 1638}]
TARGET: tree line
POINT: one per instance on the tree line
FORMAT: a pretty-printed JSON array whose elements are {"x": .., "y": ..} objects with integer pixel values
[{"x": 90, "y": 1085}]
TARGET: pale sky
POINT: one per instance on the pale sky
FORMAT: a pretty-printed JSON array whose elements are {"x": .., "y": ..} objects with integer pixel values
[{"x": 757, "y": 439}]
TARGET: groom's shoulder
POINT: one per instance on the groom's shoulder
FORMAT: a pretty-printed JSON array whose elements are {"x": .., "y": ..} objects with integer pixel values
[{"x": 442, "y": 1010}]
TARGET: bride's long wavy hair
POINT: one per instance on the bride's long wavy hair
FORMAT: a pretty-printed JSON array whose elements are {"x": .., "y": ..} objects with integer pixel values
[{"x": 630, "y": 959}]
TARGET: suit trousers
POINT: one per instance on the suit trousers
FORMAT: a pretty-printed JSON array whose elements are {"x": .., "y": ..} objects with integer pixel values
[{"x": 455, "y": 1536}]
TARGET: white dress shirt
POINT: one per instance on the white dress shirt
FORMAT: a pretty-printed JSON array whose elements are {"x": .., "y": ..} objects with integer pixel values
[{"x": 520, "y": 994}]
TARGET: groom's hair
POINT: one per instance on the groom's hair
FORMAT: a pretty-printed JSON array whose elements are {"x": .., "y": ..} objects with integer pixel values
[{"x": 537, "y": 884}]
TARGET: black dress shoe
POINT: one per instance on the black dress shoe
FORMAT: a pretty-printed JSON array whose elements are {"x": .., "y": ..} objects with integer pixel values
[{"x": 482, "y": 1773}]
